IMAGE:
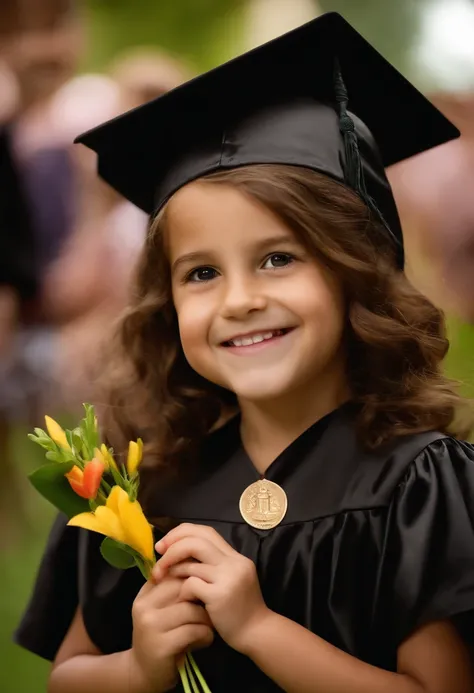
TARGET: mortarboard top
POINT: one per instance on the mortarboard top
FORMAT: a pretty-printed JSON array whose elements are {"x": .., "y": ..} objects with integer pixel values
[{"x": 277, "y": 104}]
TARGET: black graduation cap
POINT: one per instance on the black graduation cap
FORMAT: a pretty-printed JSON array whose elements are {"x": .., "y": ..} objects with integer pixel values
[{"x": 319, "y": 96}]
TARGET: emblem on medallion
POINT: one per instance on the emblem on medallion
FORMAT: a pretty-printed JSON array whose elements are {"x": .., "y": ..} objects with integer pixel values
[{"x": 263, "y": 504}]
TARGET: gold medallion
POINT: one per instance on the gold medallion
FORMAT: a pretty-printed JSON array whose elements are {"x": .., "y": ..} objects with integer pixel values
[{"x": 263, "y": 505}]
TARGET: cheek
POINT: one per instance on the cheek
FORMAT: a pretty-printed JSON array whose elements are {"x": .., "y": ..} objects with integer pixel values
[
  {"x": 333, "y": 306},
  {"x": 318, "y": 299},
  {"x": 194, "y": 324}
]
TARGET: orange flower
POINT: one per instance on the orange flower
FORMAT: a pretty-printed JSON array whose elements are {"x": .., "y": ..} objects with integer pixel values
[{"x": 86, "y": 483}]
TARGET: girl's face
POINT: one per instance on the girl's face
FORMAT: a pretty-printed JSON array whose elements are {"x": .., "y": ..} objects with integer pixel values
[{"x": 257, "y": 313}]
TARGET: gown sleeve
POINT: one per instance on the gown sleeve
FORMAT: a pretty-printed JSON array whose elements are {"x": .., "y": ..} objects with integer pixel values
[
  {"x": 427, "y": 572},
  {"x": 73, "y": 574},
  {"x": 55, "y": 595}
]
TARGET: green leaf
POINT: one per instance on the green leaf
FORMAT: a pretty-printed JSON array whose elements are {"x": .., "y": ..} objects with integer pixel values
[
  {"x": 50, "y": 481},
  {"x": 118, "y": 478},
  {"x": 88, "y": 431},
  {"x": 41, "y": 434},
  {"x": 65, "y": 456},
  {"x": 116, "y": 554},
  {"x": 89, "y": 409},
  {"x": 77, "y": 443},
  {"x": 44, "y": 442},
  {"x": 145, "y": 568},
  {"x": 88, "y": 450},
  {"x": 55, "y": 456},
  {"x": 69, "y": 437},
  {"x": 92, "y": 426},
  {"x": 133, "y": 491},
  {"x": 136, "y": 558},
  {"x": 89, "y": 418}
]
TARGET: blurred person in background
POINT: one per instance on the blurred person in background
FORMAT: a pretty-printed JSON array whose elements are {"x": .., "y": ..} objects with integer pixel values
[
  {"x": 435, "y": 194},
  {"x": 146, "y": 73},
  {"x": 142, "y": 75},
  {"x": 39, "y": 50},
  {"x": 18, "y": 283},
  {"x": 15, "y": 279},
  {"x": 87, "y": 287}
]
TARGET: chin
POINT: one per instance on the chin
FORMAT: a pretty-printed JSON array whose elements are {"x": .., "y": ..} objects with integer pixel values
[{"x": 260, "y": 391}]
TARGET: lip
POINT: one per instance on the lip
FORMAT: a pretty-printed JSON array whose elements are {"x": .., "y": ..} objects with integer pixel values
[{"x": 258, "y": 346}]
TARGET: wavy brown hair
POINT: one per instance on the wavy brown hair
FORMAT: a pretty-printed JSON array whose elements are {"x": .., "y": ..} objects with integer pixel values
[{"x": 395, "y": 337}]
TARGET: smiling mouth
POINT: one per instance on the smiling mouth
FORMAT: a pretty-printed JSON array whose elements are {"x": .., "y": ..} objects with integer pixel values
[{"x": 256, "y": 337}]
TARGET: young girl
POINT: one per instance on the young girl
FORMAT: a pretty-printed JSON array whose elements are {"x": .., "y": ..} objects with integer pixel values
[{"x": 287, "y": 381}]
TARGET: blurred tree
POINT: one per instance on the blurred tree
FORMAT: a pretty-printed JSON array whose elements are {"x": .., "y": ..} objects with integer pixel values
[
  {"x": 205, "y": 32},
  {"x": 202, "y": 32},
  {"x": 391, "y": 26}
]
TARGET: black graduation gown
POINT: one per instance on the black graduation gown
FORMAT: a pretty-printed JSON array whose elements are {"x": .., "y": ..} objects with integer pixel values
[{"x": 373, "y": 545}]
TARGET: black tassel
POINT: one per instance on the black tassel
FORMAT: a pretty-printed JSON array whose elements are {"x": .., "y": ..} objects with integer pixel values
[{"x": 353, "y": 173}]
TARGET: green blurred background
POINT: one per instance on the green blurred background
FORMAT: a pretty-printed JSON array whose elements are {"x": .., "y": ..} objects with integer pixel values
[{"x": 203, "y": 33}]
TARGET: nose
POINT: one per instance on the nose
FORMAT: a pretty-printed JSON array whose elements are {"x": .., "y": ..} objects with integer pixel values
[{"x": 242, "y": 296}]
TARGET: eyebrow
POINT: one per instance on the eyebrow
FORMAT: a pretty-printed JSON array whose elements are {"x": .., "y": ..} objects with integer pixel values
[
  {"x": 204, "y": 255},
  {"x": 191, "y": 258}
]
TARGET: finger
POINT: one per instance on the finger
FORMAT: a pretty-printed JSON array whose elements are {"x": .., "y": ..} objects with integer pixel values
[
  {"x": 188, "y": 569},
  {"x": 180, "y": 614},
  {"x": 190, "y": 530},
  {"x": 191, "y": 636},
  {"x": 200, "y": 549},
  {"x": 149, "y": 588},
  {"x": 145, "y": 590},
  {"x": 162, "y": 594},
  {"x": 195, "y": 589}
]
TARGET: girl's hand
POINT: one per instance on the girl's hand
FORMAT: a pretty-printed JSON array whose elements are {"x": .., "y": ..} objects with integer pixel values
[
  {"x": 164, "y": 626},
  {"x": 216, "y": 575}
]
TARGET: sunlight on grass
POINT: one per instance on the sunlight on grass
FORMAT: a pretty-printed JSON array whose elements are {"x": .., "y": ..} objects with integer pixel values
[{"x": 20, "y": 671}]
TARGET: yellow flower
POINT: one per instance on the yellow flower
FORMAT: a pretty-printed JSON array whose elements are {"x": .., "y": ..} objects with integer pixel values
[
  {"x": 104, "y": 456},
  {"x": 135, "y": 454},
  {"x": 56, "y": 433},
  {"x": 120, "y": 519}
]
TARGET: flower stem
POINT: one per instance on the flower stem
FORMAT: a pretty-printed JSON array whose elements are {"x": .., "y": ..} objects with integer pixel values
[
  {"x": 100, "y": 499},
  {"x": 189, "y": 670},
  {"x": 197, "y": 671},
  {"x": 184, "y": 678},
  {"x": 107, "y": 487}
]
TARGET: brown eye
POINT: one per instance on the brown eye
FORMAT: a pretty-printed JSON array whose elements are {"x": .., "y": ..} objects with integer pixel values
[
  {"x": 277, "y": 260},
  {"x": 201, "y": 274}
]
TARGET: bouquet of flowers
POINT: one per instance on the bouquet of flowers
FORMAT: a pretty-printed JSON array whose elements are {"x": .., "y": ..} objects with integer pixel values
[{"x": 83, "y": 480}]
